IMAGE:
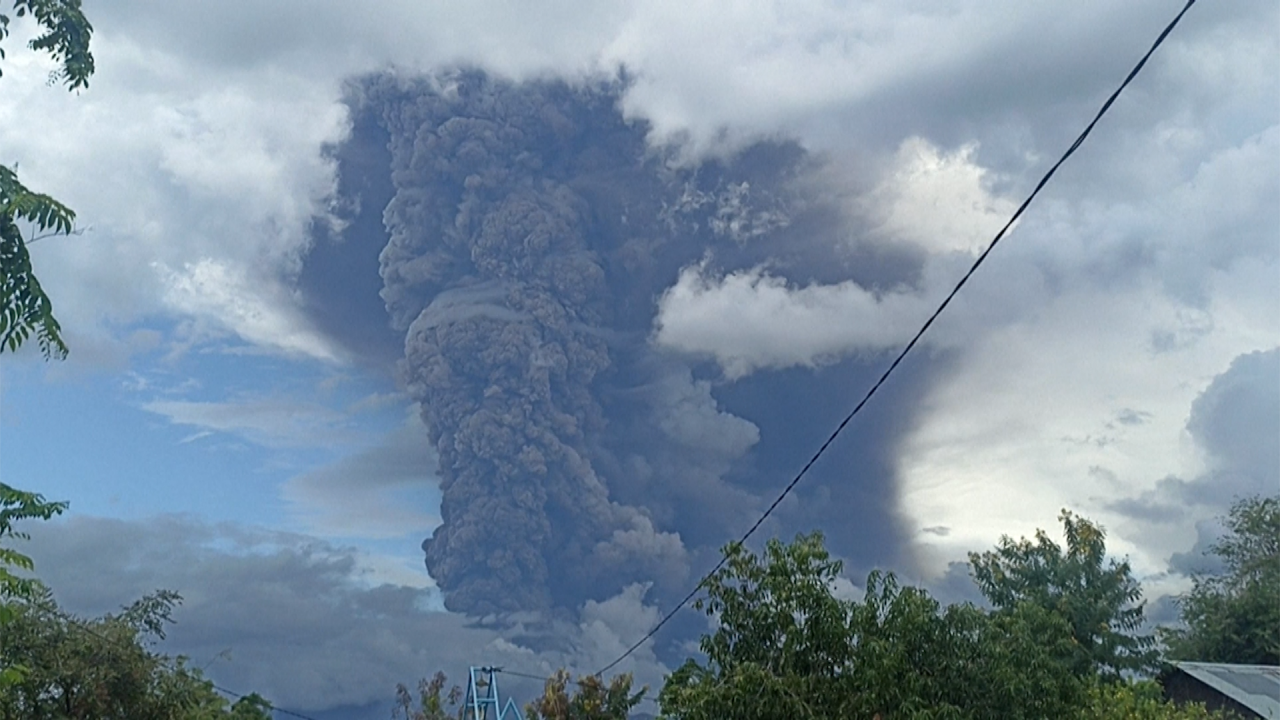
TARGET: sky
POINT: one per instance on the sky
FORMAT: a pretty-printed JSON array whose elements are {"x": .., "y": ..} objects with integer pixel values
[{"x": 574, "y": 289}]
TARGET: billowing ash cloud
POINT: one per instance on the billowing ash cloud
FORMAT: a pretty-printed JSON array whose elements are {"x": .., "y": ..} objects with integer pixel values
[{"x": 528, "y": 239}]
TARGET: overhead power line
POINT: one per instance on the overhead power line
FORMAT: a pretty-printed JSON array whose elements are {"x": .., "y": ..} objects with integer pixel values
[
  {"x": 504, "y": 671},
  {"x": 273, "y": 708},
  {"x": 916, "y": 338}
]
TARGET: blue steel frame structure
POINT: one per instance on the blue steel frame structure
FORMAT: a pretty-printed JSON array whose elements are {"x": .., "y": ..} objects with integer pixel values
[{"x": 476, "y": 707}]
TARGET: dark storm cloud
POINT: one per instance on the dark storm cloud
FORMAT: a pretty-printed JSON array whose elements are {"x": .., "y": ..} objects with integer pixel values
[
  {"x": 1236, "y": 421},
  {"x": 1149, "y": 510},
  {"x": 382, "y": 491},
  {"x": 957, "y": 586},
  {"x": 850, "y": 494},
  {"x": 1024, "y": 97},
  {"x": 339, "y": 281},
  {"x": 1200, "y": 558},
  {"x": 1160, "y": 611},
  {"x": 303, "y": 621},
  {"x": 300, "y": 625},
  {"x": 529, "y": 236}
]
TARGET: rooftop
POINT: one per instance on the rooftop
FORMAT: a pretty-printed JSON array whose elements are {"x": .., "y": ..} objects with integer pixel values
[{"x": 1257, "y": 687}]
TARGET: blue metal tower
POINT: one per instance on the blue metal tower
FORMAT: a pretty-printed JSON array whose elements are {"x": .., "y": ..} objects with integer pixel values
[{"x": 476, "y": 707}]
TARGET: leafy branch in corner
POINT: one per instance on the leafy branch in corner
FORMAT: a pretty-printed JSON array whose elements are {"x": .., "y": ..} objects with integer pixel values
[
  {"x": 65, "y": 37},
  {"x": 24, "y": 306}
]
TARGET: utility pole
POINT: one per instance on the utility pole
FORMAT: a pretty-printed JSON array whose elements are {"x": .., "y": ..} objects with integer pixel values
[{"x": 487, "y": 706}]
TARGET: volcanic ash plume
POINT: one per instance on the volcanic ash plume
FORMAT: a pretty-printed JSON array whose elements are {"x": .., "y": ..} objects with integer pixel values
[{"x": 531, "y": 231}]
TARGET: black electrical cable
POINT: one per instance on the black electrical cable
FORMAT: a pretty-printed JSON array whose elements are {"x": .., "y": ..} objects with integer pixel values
[
  {"x": 920, "y": 333},
  {"x": 504, "y": 671},
  {"x": 272, "y": 709}
]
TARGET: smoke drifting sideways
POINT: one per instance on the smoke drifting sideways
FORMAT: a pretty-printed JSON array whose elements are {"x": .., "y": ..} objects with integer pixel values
[{"x": 528, "y": 232}]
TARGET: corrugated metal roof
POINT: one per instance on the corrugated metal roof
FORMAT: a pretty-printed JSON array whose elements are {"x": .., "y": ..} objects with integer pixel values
[{"x": 1257, "y": 687}]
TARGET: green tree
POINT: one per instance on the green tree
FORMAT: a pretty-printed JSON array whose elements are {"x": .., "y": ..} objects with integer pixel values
[
  {"x": 17, "y": 505},
  {"x": 250, "y": 707},
  {"x": 433, "y": 703},
  {"x": 1141, "y": 700},
  {"x": 1234, "y": 617},
  {"x": 594, "y": 699},
  {"x": 781, "y": 636},
  {"x": 786, "y": 646},
  {"x": 24, "y": 306},
  {"x": 1098, "y": 598},
  {"x": 103, "y": 669},
  {"x": 915, "y": 658}
]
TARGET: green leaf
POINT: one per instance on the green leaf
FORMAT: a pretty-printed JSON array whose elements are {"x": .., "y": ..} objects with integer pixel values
[
  {"x": 24, "y": 306},
  {"x": 66, "y": 36}
]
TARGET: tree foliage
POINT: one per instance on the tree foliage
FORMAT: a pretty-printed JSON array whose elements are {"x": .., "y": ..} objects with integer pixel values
[
  {"x": 103, "y": 668},
  {"x": 24, "y": 306},
  {"x": 1234, "y": 617},
  {"x": 1142, "y": 700},
  {"x": 55, "y": 666},
  {"x": 594, "y": 699},
  {"x": 781, "y": 633},
  {"x": 1098, "y": 598},
  {"x": 915, "y": 658},
  {"x": 65, "y": 36},
  {"x": 433, "y": 702},
  {"x": 785, "y": 645},
  {"x": 17, "y": 505}
]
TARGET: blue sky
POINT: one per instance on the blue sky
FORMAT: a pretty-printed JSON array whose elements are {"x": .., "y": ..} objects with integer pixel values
[{"x": 218, "y": 433}]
